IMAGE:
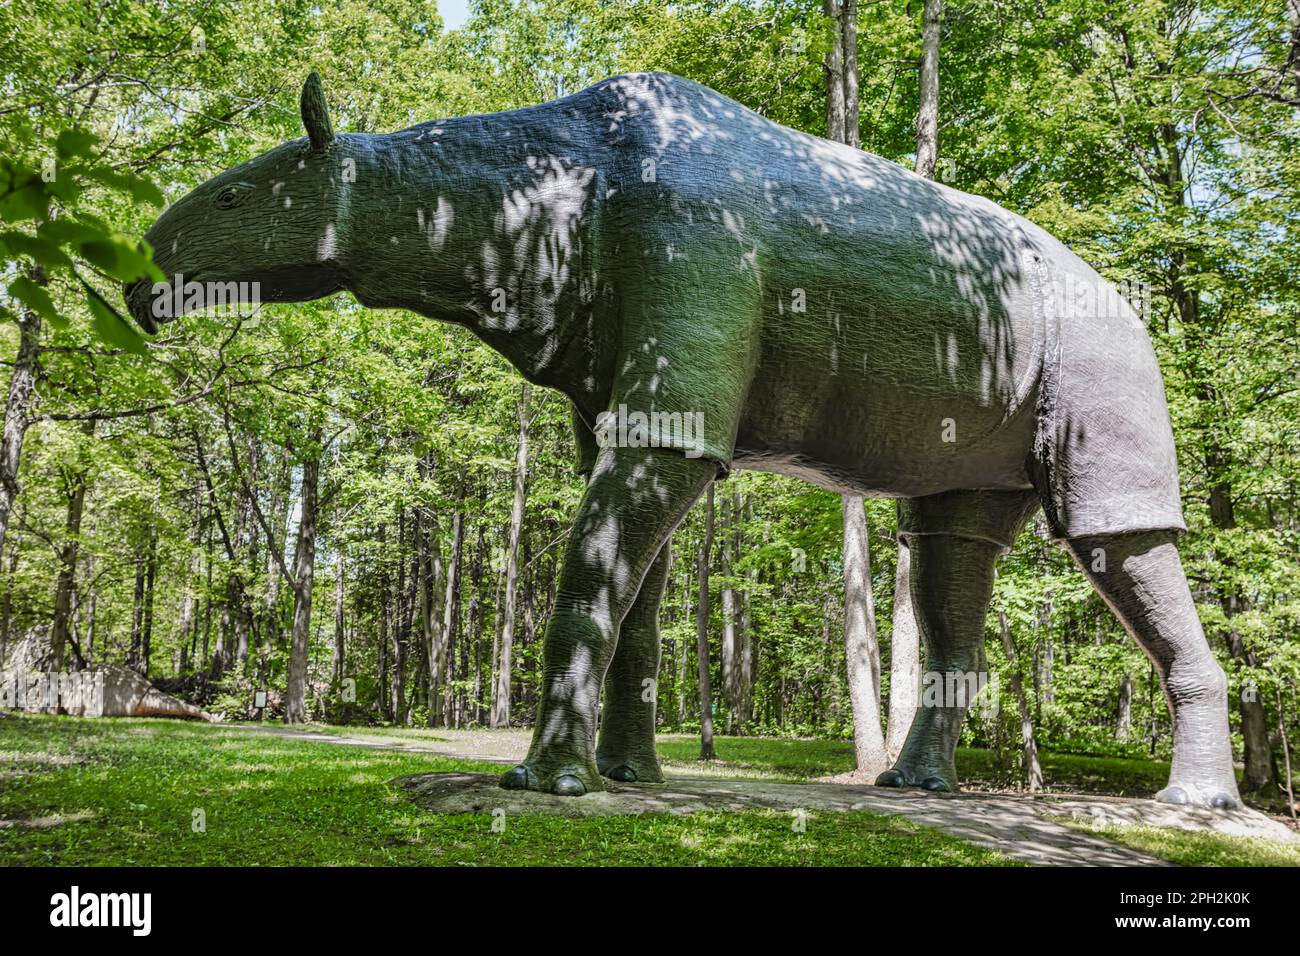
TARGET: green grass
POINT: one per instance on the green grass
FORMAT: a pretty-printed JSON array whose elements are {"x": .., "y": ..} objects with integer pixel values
[
  {"x": 807, "y": 759},
  {"x": 1118, "y": 776},
  {"x": 770, "y": 758},
  {"x": 775, "y": 758},
  {"x": 1197, "y": 849},
  {"x": 105, "y": 792}
]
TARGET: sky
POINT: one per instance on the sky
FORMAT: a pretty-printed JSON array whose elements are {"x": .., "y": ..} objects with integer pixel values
[{"x": 454, "y": 13}]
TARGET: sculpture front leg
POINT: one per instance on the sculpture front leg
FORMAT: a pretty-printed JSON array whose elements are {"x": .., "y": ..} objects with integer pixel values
[
  {"x": 626, "y": 749},
  {"x": 635, "y": 499}
]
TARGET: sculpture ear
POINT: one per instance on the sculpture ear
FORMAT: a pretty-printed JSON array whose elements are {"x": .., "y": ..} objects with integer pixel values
[{"x": 315, "y": 113}]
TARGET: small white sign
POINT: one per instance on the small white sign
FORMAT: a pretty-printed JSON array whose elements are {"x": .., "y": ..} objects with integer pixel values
[{"x": 259, "y": 699}]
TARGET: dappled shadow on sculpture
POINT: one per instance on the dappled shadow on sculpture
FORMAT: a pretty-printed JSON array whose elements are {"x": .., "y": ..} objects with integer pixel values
[{"x": 659, "y": 252}]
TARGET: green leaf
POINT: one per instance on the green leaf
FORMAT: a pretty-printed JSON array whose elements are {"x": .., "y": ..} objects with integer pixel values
[
  {"x": 37, "y": 248},
  {"x": 38, "y": 300},
  {"x": 27, "y": 201},
  {"x": 109, "y": 324},
  {"x": 70, "y": 232},
  {"x": 75, "y": 142},
  {"x": 141, "y": 190},
  {"x": 119, "y": 260},
  {"x": 65, "y": 188}
]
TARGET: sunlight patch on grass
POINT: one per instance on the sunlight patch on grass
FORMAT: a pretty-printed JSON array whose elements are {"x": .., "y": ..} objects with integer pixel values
[
  {"x": 1188, "y": 848},
  {"x": 39, "y": 758},
  {"x": 53, "y": 820}
]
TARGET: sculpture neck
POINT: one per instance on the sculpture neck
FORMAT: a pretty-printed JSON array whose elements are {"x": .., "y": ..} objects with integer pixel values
[{"x": 478, "y": 221}]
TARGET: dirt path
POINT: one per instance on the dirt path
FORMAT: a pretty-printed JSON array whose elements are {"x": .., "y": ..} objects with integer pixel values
[{"x": 1024, "y": 827}]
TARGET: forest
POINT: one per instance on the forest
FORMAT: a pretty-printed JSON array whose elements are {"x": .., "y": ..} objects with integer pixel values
[{"x": 362, "y": 512}]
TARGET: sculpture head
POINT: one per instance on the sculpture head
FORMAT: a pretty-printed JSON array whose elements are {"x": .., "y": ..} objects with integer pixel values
[{"x": 265, "y": 231}]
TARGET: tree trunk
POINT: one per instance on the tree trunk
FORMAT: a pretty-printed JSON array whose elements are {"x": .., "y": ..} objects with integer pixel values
[
  {"x": 682, "y": 652},
  {"x": 340, "y": 618},
  {"x": 904, "y": 658},
  {"x": 849, "y": 55},
  {"x": 91, "y": 602},
  {"x": 245, "y": 543},
  {"x": 1124, "y": 719},
  {"x": 748, "y": 645},
  {"x": 18, "y": 407},
  {"x": 7, "y": 602},
  {"x": 278, "y": 519},
  {"x": 905, "y": 640},
  {"x": 1259, "y": 773},
  {"x": 400, "y": 630},
  {"x": 295, "y": 708},
  {"x": 1047, "y": 675},
  {"x": 134, "y": 653},
  {"x": 431, "y": 621},
  {"x": 702, "y": 634},
  {"x": 146, "y": 628},
  {"x": 188, "y": 619},
  {"x": 451, "y": 617},
  {"x": 207, "y": 601},
  {"x": 469, "y": 647},
  {"x": 860, "y": 643},
  {"x": 834, "y": 71},
  {"x": 927, "y": 114},
  {"x": 501, "y": 703},
  {"x": 859, "y": 625},
  {"x": 66, "y": 583},
  {"x": 730, "y": 651},
  {"x": 1032, "y": 770}
]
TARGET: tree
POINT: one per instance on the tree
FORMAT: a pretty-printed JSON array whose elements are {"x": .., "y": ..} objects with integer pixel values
[
  {"x": 861, "y": 648},
  {"x": 501, "y": 696},
  {"x": 860, "y": 637},
  {"x": 702, "y": 633},
  {"x": 304, "y": 568},
  {"x": 905, "y": 639}
]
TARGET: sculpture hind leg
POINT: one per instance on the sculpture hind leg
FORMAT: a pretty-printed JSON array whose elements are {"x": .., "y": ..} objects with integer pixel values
[
  {"x": 952, "y": 584},
  {"x": 955, "y": 539},
  {"x": 626, "y": 747},
  {"x": 1141, "y": 577},
  {"x": 635, "y": 498}
]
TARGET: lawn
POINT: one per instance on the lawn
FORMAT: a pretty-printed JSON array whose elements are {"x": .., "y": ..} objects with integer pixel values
[
  {"x": 157, "y": 793},
  {"x": 774, "y": 758}
]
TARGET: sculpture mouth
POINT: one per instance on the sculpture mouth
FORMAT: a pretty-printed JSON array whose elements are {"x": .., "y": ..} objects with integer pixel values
[{"x": 137, "y": 297}]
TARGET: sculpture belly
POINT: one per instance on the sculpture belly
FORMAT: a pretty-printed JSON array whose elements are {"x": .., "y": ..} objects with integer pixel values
[{"x": 911, "y": 377}]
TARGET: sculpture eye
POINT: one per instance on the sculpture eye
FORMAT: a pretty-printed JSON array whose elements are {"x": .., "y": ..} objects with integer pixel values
[{"x": 230, "y": 197}]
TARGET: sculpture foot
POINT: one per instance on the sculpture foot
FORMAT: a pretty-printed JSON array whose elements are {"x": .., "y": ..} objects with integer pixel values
[
  {"x": 569, "y": 781},
  {"x": 926, "y": 767},
  {"x": 626, "y": 769},
  {"x": 891, "y": 778},
  {"x": 940, "y": 780},
  {"x": 1215, "y": 797}
]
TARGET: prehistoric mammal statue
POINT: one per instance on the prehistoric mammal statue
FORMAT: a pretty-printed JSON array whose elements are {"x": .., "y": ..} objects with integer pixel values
[{"x": 662, "y": 255}]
